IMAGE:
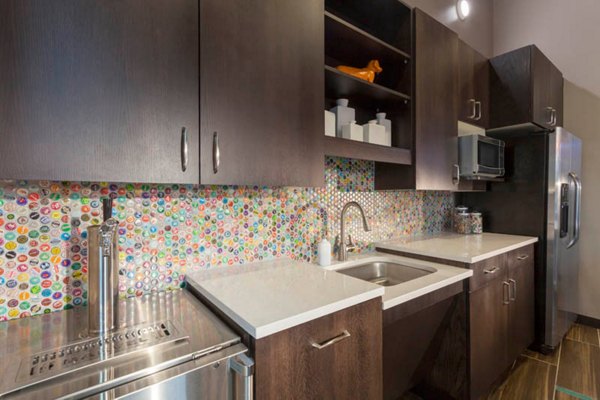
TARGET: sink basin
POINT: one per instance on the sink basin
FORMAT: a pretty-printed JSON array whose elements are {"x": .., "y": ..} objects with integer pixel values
[{"x": 385, "y": 273}]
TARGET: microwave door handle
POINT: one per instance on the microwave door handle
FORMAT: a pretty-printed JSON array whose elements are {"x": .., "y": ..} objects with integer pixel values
[{"x": 577, "y": 208}]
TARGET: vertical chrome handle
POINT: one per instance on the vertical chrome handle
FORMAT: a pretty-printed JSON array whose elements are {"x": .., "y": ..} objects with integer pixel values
[
  {"x": 554, "y": 117},
  {"x": 242, "y": 367},
  {"x": 577, "y": 213},
  {"x": 478, "y": 108},
  {"x": 184, "y": 149},
  {"x": 550, "y": 119},
  {"x": 514, "y": 296},
  {"x": 456, "y": 180},
  {"x": 505, "y": 297},
  {"x": 216, "y": 153},
  {"x": 474, "y": 108}
]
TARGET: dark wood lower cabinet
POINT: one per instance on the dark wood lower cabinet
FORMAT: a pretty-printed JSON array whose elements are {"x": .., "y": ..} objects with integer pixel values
[
  {"x": 288, "y": 366},
  {"x": 484, "y": 334},
  {"x": 488, "y": 333}
]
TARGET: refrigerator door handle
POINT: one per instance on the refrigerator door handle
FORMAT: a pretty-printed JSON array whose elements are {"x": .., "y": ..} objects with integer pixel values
[{"x": 577, "y": 213}]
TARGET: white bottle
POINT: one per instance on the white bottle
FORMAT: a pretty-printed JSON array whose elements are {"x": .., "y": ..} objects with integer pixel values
[{"x": 324, "y": 253}]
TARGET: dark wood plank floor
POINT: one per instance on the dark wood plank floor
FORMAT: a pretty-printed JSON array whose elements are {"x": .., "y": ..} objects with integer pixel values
[{"x": 572, "y": 372}]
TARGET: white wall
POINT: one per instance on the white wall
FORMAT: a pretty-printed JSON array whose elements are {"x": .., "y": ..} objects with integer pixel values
[
  {"x": 476, "y": 30},
  {"x": 568, "y": 32}
]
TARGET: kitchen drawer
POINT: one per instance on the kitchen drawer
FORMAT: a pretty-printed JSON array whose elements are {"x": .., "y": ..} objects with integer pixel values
[
  {"x": 290, "y": 366},
  {"x": 520, "y": 258},
  {"x": 486, "y": 271}
]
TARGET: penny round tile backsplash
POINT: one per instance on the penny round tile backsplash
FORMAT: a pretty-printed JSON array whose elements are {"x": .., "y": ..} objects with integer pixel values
[{"x": 167, "y": 230}]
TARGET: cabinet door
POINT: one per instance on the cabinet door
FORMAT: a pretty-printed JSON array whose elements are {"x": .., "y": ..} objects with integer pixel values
[
  {"x": 436, "y": 53},
  {"x": 522, "y": 312},
  {"x": 488, "y": 335},
  {"x": 547, "y": 90},
  {"x": 288, "y": 366},
  {"x": 99, "y": 90},
  {"x": 473, "y": 86},
  {"x": 261, "y": 90}
]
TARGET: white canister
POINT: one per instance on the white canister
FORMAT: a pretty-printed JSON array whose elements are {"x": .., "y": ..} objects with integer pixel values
[
  {"x": 374, "y": 133},
  {"x": 329, "y": 123},
  {"x": 353, "y": 131},
  {"x": 343, "y": 115}
]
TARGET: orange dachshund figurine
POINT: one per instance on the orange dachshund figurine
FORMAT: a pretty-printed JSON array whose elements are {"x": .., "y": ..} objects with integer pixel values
[{"x": 367, "y": 73}]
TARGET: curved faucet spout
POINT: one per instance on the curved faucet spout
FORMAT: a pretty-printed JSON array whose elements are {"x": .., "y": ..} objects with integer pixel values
[{"x": 343, "y": 246}]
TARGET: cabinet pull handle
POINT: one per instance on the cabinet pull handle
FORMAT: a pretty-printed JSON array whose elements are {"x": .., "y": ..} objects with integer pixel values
[
  {"x": 553, "y": 117},
  {"x": 549, "y": 121},
  {"x": 505, "y": 298},
  {"x": 523, "y": 257},
  {"x": 474, "y": 115},
  {"x": 456, "y": 180},
  {"x": 478, "y": 108},
  {"x": 491, "y": 271},
  {"x": 216, "y": 153},
  {"x": 184, "y": 149},
  {"x": 514, "y": 285},
  {"x": 344, "y": 335}
]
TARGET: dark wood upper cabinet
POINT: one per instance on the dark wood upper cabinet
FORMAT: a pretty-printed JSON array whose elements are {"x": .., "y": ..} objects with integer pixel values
[
  {"x": 261, "y": 99},
  {"x": 435, "y": 147},
  {"x": 525, "y": 88},
  {"x": 99, "y": 90},
  {"x": 473, "y": 86}
]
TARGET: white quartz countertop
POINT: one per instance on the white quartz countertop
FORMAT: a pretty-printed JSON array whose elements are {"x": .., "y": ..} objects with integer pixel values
[
  {"x": 270, "y": 296},
  {"x": 441, "y": 276},
  {"x": 462, "y": 248}
]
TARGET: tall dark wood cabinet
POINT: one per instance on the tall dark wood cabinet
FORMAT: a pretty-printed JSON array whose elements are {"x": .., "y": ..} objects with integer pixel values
[
  {"x": 435, "y": 154},
  {"x": 473, "y": 86},
  {"x": 99, "y": 90},
  {"x": 526, "y": 88},
  {"x": 261, "y": 91}
]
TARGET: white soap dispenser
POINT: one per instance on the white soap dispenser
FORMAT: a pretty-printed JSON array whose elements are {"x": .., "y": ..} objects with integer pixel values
[{"x": 324, "y": 252}]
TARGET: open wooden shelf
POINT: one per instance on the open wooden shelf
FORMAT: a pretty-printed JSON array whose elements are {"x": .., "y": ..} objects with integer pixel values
[
  {"x": 348, "y": 33},
  {"x": 341, "y": 85},
  {"x": 339, "y": 147}
]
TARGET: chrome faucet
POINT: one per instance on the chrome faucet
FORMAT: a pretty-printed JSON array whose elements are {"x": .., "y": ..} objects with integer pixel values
[{"x": 344, "y": 247}]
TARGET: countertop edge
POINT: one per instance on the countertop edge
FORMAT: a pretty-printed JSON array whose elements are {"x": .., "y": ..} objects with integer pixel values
[
  {"x": 307, "y": 316},
  {"x": 466, "y": 260},
  {"x": 260, "y": 332},
  {"x": 427, "y": 289}
]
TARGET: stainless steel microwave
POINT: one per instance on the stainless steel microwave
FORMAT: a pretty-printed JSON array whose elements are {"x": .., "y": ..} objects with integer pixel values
[{"x": 480, "y": 157}]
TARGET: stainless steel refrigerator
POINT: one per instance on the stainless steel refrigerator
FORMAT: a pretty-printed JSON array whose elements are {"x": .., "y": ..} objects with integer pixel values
[{"x": 541, "y": 196}]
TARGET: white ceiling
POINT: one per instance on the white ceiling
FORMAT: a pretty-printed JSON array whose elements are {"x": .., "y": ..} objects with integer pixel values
[{"x": 568, "y": 32}]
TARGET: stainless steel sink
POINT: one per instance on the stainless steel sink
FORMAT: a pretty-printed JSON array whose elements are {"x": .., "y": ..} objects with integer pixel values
[{"x": 385, "y": 273}]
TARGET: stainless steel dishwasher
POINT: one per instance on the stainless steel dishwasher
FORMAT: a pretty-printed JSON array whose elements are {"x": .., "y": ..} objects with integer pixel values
[{"x": 165, "y": 345}]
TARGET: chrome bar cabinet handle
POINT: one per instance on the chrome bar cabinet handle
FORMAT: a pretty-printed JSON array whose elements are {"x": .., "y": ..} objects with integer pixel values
[
  {"x": 456, "y": 180},
  {"x": 344, "y": 335},
  {"x": 478, "y": 108},
  {"x": 491, "y": 271},
  {"x": 514, "y": 285},
  {"x": 550, "y": 114},
  {"x": 184, "y": 149},
  {"x": 216, "y": 153},
  {"x": 523, "y": 257},
  {"x": 474, "y": 108},
  {"x": 505, "y": 290}
]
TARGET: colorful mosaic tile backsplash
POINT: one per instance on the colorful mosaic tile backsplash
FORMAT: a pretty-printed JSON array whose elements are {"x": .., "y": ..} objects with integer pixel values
[{"x": 166, "y": 230}]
